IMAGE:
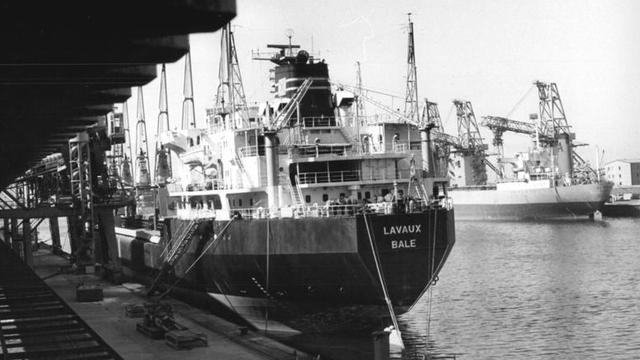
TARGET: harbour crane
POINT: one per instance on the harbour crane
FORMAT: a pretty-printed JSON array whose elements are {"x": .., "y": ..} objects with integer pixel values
[
  {"x": 549, "y": 128},
  {"x": 163, "y": 156},
  {"x": 472, "y": 149}
]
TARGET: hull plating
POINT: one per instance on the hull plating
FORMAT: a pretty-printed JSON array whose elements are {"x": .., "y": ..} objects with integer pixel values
[
  {"x": 312, "y": 274},
  {"x": 549, "y": 203}
]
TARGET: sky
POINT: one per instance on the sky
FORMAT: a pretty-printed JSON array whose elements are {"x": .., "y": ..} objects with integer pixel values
[{"x": 486, "y": 51}]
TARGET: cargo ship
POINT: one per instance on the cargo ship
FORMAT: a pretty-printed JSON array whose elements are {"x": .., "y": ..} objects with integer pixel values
[
  {"x": 279, "y": 212},
  {"x": 549, "y": 181}
]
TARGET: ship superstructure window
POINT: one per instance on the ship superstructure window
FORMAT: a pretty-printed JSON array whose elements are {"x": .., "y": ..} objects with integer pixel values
[
  {"x": 307, "y": 198},
  {"x": 251, "y": 202},
  {"x": 325, "y": 197},
  {"x": 239, "y": 202},
  {"x": 367, "y": 195},
  {"x": 215, "y": 202}
]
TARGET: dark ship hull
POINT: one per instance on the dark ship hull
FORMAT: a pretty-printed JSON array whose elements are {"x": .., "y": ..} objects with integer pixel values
[{"x": 311, "y": 275}]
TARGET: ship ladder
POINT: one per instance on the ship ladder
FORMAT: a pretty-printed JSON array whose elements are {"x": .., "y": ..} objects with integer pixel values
[
  {"x": 243, "y": 170},
  {"x": 383, "y": 283},
  {"x": 294, "y": 190},
  {"x": 182, "y": 241},
  {"x": 215, "y": 237}
]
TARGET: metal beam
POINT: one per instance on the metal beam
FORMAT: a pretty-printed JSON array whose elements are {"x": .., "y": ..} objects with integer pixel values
[{"x": 41, "y": 212}]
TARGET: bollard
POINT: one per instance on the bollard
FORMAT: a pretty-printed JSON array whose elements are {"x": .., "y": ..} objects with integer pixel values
[{"x": 380, "y": 345}]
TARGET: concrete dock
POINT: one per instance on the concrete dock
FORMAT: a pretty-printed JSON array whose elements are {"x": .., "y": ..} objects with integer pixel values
[{"x": 107, "y": 318}]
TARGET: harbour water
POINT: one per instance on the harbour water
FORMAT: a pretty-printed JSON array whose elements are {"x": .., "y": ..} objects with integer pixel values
[
  {"x": 552, "y": 290},
  {"x": 533, "y": 290}
]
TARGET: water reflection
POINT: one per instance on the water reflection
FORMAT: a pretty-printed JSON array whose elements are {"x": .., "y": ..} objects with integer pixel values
[{"x": 533, "y": 290}]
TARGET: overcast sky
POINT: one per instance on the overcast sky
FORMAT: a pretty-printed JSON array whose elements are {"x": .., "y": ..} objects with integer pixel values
[{"x": 485, "y": 51}]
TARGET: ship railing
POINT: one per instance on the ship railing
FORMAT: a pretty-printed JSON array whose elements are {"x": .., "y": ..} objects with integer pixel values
[
  {"x": 320, "y": 177},
  {"x": 211, "y": 184},
  {"x": 398, "y": 147},
  {"x": 320, "y": 121},
  {"x": 335, "y": 209},
  {"x": 322, "y": 149},
  {"x": 245, "y": 151},
  {"x": 193, "y": 214},
  {"x": 383, "y": 118},
  {"x": 317, "y": 177}
]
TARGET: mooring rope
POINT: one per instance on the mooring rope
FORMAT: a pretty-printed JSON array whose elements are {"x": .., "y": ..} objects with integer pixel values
[
  {"x": 381, "y": 277},
  {"x": 432, "y": 279}
]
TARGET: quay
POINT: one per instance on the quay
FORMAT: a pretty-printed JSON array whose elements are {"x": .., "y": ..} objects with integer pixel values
[
  {"x": 41, "y": 319},
  {"x": 63, "y": 67}
]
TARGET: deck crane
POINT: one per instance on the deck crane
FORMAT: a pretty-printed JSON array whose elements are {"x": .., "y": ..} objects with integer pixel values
[
  {"x": 432, "y": 116},
  {"x": 472, "y": 150},
  {"x": 281, "y": 121},
  {"x": 552, "y": 130},
  {"x": 443, "y": 142}
]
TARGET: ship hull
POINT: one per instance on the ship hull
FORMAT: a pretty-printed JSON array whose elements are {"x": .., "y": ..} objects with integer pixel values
[
  {"x": 576, "y": 201},
  {"x": 311, "y": 275}
]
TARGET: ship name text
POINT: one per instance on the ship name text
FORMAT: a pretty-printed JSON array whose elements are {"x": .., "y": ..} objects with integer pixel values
[
  {"x": 405, "y": 229},
  {"x": 401, "y": 244}
]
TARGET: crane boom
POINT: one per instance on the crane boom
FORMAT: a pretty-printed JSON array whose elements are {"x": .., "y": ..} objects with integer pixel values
[
  {"x": 283, "y": 117},
  {"x": 504, "y": 124},
  {"x": 389, "y": 110}
]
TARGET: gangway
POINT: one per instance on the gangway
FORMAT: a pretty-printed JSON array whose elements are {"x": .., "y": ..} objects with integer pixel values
[{"x": 173, "y": 254}]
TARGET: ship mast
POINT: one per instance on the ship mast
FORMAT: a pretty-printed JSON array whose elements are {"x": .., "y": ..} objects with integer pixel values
[
  {"x": 230, "y": 96},
  {"x": 411, "y": 100},
  {"x": 162, "y": 169},
  {"x": 188, "y": 108},
  {"x": 359, "y": 102}
]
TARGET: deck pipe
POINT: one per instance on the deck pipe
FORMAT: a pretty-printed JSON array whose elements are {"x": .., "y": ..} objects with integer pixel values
[
  {"x": 271, "y": 153},
  {"x": 427, "y": 151}
]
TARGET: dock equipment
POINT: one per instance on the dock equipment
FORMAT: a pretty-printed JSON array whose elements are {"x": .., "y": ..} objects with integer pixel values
[
  {"x": 159, "y": 323},
  {"x": 37, "y": 324}
]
